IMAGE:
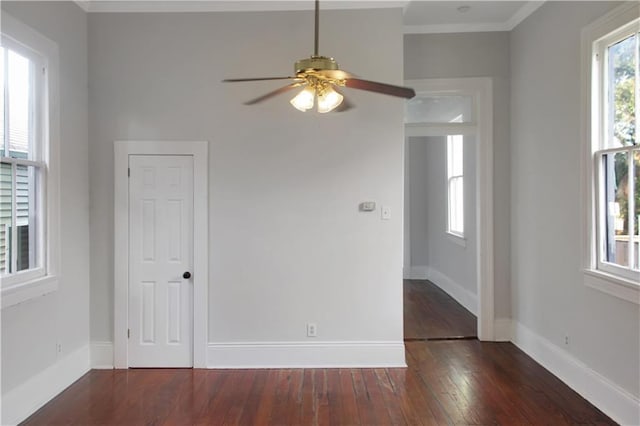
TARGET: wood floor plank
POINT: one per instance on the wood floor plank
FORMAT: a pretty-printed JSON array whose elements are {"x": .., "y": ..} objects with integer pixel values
[
  {"x": 446, "y": 382},
  {"x": 464, "y": 382},
  {"x": 431, "y": 313}
]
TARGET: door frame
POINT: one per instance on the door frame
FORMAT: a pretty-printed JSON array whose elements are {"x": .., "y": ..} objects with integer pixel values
[
  {"x": 122, "y": 151},
  {"x": 481, "y": 88}
]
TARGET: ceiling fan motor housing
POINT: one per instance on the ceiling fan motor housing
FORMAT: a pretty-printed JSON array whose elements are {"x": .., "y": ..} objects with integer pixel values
[{"x": 315, "y": 63}]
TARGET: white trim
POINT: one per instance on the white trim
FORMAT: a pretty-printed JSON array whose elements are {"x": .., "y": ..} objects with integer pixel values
[
  {"x": 609, "y": 284},
  {"x": 481, "y": 89},
  {"x": 523, "y": 13},
  {"x": 284, "y": 355},
  {"x": 24, "y": 400},
  {"x": 422, "y": 129},
  {"x": 415, "y": 273},
  {"x": 199, "y": 150},
  {"x": 21, "y": 34},
  {"x": 306, "y": 355},
  {"x": 231, "y": 6},
  {"x": 503, "y": 329},
  {"x": 614, "y": 401},
  {"x": 478, "y": 27},
  {"x": 612, "y": 285},
  {"x": 83, "y": 4},
  {"x": 24, "y": 291},
  {"x": 456, "y": 239},
  {"x": 463, "y": 296},
  {"x": 102, "y": 355}
]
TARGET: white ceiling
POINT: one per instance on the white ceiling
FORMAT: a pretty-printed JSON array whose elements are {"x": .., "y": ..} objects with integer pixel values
[{"x": 420, "y": 16}]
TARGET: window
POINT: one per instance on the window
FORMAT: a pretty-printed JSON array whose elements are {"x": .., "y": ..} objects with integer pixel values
[
  {"x": 21, "y": 168},
  {"x": 455, "y": 183},
  {"x": 615, "y": 149},
  {"x": 28, "y": 177}
]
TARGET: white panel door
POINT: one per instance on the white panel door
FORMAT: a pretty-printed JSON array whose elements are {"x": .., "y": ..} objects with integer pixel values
[{"x": 160, "y": 261}]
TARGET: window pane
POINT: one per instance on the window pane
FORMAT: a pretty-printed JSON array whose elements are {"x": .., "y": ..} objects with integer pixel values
[
  {"x": 26, "y": 224},
  {"x": 456, "y": 206},
  {"x": 455, "y": 171},
  {"x": 622, "y": 99},
  {"x": 616, "y": 179},
  {"x": 5, "y": 217},
  {"x": 439, "y": 109},
  {"x": 455, "y": 149},
  {"x": 19, "y": 92}
]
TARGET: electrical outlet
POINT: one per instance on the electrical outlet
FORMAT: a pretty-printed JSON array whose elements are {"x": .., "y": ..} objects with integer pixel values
[
  {"x": 312, "y": 329},
  {"x": 566, "y": 340}
]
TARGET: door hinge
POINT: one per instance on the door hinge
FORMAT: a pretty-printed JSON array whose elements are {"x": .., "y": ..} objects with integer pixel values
[
  {"x": 129, "y": 172},
  {"x": 128, "y": 333}
]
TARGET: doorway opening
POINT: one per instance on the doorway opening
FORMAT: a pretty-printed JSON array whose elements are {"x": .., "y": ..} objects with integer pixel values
[{"x": 448, "y": 249}]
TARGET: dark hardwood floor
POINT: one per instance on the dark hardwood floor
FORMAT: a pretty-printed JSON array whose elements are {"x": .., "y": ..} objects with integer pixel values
[
  {"x": 447, "y": 382},
  {"x": 460, "y": 382},
  {"x": 430, "y": 313}
]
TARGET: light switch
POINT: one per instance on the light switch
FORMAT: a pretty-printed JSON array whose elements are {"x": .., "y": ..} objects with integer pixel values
[
  {"x": 385, "y": 212},
  {"x": 367, "y": 206}
]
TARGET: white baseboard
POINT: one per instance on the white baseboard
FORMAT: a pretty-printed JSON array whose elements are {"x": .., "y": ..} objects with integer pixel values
[
  {"x": 502, "y": 331},
  {"x": 415, "y": 273},
  {"x": 463, "y": 296},
  {"x": 102, "y": 355},
  {"x": 306, "y": 355},
  {"x": 26, "y": 399},
  {"x": 614, "y": 401}
]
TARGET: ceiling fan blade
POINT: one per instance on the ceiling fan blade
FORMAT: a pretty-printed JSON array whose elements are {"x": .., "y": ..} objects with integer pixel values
[
  {"x": 236, "y": 80},
  {"x": 385, "y": 89},
  {"x": 273, "y": 93}
]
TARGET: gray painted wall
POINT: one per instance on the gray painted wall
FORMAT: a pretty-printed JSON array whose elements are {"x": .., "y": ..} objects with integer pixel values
[
  {"x": 430, "y": 244},
  {"x": 287, "y": 242},
  {"x": 416, "y": 201},
  {"x": 31, "y": 330},
  {"x": 476, "y": 55},
  {"x": 548, "y": 292}
]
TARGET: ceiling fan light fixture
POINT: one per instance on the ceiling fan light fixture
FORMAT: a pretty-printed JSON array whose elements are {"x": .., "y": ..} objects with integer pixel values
[
  {"x": 319, "y": 75},
  {"x": 303, "y": 101},
  {"x": 328, "y": 100}
]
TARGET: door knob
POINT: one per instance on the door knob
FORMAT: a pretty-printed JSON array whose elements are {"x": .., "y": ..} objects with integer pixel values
[{"x": 186, "y": 275}]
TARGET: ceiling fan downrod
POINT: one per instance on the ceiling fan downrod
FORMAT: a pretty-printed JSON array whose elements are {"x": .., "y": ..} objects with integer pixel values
[{"x": 317, "y": 31}]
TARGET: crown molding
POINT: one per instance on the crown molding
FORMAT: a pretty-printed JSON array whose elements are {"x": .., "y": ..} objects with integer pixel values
[
  {"x": 523, "y": 13},
  {"x": 508, "y": 25},
  {"x": 83, "y": 4},
  {"x": 141, "y": 6},
  {"x": 455, "y": 28}
]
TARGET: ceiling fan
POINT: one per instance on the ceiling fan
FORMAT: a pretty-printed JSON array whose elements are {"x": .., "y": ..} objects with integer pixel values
[{"x": 319, "y": 77}]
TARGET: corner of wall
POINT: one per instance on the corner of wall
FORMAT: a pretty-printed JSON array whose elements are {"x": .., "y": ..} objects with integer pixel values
[{"x": 21, "y": 402}]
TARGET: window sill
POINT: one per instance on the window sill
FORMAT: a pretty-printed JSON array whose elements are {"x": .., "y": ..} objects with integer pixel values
[
  {"x": 28, "y": 290},
  {"x": 621, "y": 288},
  {"x": 457, "y": 239}
]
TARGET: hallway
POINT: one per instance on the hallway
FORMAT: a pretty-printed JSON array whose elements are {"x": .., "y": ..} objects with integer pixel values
[{"x": 431, "y": 314}]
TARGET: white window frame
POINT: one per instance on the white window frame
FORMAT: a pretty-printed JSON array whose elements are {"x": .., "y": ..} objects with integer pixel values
[
  {"x": 22, "y": 286},
  {"x": 606, "y": 277},
  {"x": 450, "y": 180}
]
